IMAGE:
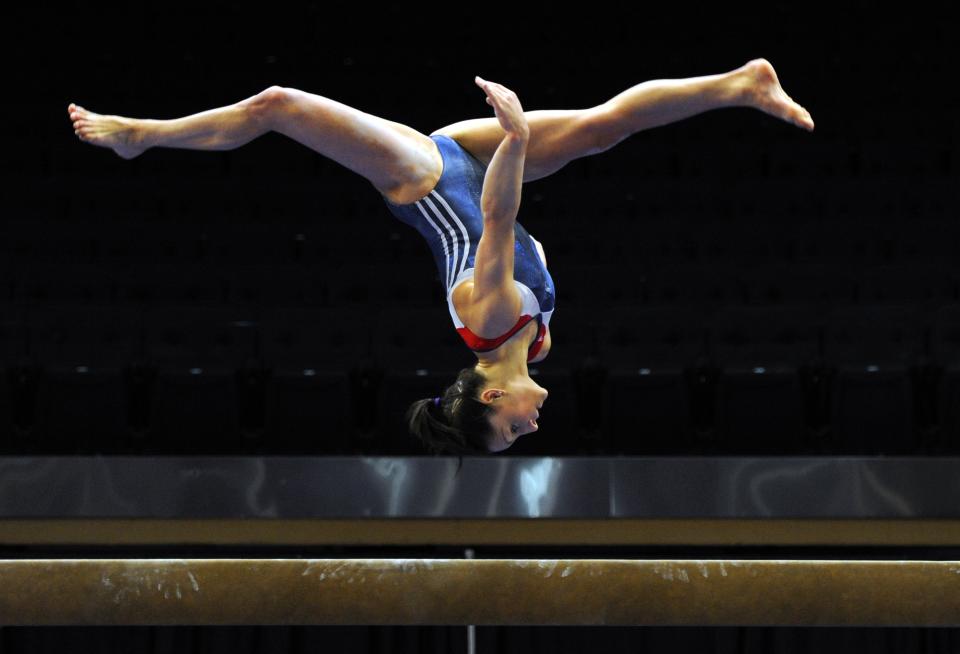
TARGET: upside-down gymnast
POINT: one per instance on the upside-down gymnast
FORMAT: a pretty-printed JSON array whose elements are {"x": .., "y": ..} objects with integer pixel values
[{"x": 460, "y": 188}]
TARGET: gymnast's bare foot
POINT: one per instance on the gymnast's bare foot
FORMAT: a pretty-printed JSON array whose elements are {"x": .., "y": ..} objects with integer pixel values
[
  {"x": 114, "y": 132},
  {"x": 762, "y": 90}
]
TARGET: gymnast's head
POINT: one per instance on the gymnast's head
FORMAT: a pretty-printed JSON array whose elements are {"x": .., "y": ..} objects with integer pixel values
[{"x": 481, "y": 412}]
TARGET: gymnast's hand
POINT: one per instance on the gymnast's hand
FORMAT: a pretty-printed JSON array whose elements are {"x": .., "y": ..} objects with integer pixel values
[{"x": 507, "y": 107}]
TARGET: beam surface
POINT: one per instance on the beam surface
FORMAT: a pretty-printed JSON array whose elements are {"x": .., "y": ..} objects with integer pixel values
[{"x": 479, "y": 591}]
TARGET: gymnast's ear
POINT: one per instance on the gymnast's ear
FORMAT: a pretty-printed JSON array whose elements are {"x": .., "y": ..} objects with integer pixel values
[{"x": 490, "y": 395}]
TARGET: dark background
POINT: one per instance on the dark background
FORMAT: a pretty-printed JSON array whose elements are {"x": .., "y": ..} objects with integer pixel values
[
  {"x": 698, "y": 251},
  {"x": 686, "y": 259}
]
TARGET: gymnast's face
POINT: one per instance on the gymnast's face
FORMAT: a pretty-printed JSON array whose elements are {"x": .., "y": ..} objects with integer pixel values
[{"x": 517, "y": 410}]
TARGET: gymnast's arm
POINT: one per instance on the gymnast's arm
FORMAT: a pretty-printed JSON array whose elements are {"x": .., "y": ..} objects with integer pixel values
[{"x": 499, "y": 204}]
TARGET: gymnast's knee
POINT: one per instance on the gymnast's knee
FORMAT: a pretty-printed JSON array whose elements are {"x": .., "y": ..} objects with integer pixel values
[
  {"x": 605, "y": 128},
  {"x": 266, "y": 106}
]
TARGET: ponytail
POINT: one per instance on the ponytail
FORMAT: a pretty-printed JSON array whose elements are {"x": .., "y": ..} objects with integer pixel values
[{"x": 457, "y": 422}]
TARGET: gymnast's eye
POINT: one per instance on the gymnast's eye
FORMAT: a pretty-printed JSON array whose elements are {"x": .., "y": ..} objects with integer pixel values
[{"x": 513, "y": 429}]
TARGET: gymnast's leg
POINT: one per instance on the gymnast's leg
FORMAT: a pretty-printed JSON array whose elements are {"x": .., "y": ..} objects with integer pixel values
[
  {"x": 559, "y": 136},
  {"x": 399, "y": 161}
]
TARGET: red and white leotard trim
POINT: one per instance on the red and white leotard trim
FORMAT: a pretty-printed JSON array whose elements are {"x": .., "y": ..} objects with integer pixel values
[{"x": 529, "y": 310}]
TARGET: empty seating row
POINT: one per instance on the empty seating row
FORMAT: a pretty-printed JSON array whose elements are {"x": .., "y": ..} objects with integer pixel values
[
  {"x": 210, "y": 284},
  {"x": 416, "y": 282},
  {"x": 408, "y": 337},
  {"x": 589, "y": 411},
  {"x": 632, "y": 232},
  {"x": 135, "y": 241}
]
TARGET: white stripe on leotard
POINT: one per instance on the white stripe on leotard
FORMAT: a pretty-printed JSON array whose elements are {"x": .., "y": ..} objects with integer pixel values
[
  {"x": 451, "y": 264},
  {"x": 466, "y": 237},
  {"x": 453, "y": 237},
  {"x": 443, "y": 239}
]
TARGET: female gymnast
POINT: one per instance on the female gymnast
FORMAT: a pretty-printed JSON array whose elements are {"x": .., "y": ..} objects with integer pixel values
[{"x": 460, "y": 188}]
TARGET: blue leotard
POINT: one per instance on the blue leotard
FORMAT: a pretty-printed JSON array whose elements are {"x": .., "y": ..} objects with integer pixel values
[{"x": 450, "y": 220}]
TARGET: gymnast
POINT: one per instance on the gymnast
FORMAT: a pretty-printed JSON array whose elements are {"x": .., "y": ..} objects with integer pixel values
[{"x": 460, "y": 188}]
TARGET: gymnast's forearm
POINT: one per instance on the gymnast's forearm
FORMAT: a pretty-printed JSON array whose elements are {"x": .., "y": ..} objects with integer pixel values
[{"x": 500, "y": 198}]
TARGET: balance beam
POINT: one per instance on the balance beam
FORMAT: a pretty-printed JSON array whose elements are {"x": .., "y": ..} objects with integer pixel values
[{"x": 478, "y": 592}]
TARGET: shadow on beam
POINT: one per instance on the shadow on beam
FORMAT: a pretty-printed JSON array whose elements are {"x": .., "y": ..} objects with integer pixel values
[{"x": 480, "y": 592}]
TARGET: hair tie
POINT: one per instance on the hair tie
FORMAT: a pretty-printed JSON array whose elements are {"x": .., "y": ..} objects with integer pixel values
[{"x": 436, "y": 400}]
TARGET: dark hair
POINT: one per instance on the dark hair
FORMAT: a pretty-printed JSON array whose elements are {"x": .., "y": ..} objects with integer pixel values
[{"x": 460, "y": 424}]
